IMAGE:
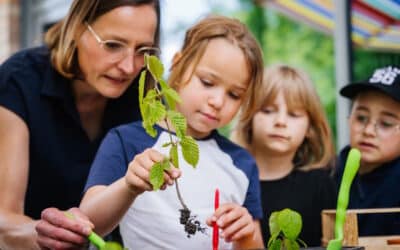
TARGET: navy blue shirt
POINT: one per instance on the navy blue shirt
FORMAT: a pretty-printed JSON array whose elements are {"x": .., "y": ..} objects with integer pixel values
[
  {"x": 60, "y": 152},
  {"x": 377, "y": 189}
]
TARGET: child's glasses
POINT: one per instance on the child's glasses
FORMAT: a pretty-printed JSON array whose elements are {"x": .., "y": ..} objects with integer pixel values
[
  {"x": 117, "y": 50},
  {"x": 382, "y": 127}
]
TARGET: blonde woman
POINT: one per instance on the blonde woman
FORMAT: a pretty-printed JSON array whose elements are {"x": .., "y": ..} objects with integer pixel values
[
  {"x": 56, "y": 104},
  {"x": 288, "y": 134}
]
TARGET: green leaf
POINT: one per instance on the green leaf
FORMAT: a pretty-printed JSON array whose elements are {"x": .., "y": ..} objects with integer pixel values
[
  {"x": 154, "y": 111},
  {"x": 170, "y": 95},
  {"x": 157, "y": 175},
  {"x": 166, "y": 164},
  {"x": 190, "y": 150},
  {"x": 179, "y": 123},
  {"x": 157, "y": 113},
  {"x": 155, "y": 67},
  {"x": 291, "y": 244},
  {"x": 149, "y": 128},
  {"x": 290, "y": 223},
  {"x": 273, "y": 223},
  {"x": 150, "y": 96},
  {"x": 173, "y": 155},
  {"x": 142, "y": 80},
  {"x": 164, "y": 85},
  {"x": 272, "y": 238},
  {"x": 276, "y": 245}
]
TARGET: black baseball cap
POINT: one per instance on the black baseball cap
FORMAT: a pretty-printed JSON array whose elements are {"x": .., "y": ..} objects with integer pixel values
[{"x": 386, "y": 80}]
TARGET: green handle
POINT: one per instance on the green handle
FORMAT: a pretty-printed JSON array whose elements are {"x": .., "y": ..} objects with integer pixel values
[
  {"x": 350, "y": 170},
  {"x": 96, "y": 240},
  {"x": 93, "y": 237}
]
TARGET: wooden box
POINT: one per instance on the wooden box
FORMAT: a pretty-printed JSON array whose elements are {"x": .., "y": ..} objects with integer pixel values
[{"x": 351, "y": 238}]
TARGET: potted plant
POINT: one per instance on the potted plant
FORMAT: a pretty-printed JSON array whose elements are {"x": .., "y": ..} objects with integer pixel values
[{"x": 285, "y": 226}]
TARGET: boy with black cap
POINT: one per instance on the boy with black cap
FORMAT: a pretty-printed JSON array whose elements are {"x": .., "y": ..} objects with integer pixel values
[{"x": 374, "y": 124}]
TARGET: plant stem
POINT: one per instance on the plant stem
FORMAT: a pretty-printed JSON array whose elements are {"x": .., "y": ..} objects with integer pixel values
[
  {"x": 179, "y": 195},
  {"x": 174, "y": 143},
  {"x": 176, "y": 181}
]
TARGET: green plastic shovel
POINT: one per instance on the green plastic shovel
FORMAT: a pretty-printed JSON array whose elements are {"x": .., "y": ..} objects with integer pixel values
[
  {"x": 100, "y": 244},
  {"x": 350, "y": 170},
  {"x": 96, "y": 240}
]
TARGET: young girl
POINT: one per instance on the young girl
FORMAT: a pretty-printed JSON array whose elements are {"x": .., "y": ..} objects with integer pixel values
[
  {"x": 290, "y": 139},
  {"x": 218, "y": 69}
]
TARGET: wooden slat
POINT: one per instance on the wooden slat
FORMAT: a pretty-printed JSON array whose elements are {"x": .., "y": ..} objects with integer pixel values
[{"x": 368, "y": 210}]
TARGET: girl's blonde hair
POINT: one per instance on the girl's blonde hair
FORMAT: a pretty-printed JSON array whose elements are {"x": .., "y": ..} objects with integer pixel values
[
  {"x": 317, "y": 149},
  {"x": 61, "y": 37},
  {"x": 212, "y": 27}
]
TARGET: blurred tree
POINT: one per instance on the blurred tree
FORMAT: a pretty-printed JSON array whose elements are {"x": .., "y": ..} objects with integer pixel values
[
  {"x": 365, "y": 61},
  {"x": 289, "y": 42}
]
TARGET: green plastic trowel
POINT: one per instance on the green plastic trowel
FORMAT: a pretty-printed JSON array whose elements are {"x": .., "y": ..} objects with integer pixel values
[
  {"x": 100, "y": 244},
  {"x": 96, "y": 240},
  {"x": 350, "y": 170}
]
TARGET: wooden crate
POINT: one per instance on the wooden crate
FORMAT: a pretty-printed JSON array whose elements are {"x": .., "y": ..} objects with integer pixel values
[{"x": 350, "y": 229}]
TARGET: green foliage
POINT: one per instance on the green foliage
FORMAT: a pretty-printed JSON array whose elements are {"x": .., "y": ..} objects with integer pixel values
[
  {"x": 153, "y": 109},
  {"x": 285, "y": 227},
  {"x": 290, "y": 42},
  {"x": 366, "y": 61}
]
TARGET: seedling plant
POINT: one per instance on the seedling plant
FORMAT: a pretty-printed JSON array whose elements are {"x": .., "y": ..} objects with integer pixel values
[
  {"x": 285, "y": 227},
  {"x": 159, "y": 105}
]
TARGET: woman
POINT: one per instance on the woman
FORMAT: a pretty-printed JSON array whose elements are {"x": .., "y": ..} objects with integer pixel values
[{"x": 56, "y": 104}]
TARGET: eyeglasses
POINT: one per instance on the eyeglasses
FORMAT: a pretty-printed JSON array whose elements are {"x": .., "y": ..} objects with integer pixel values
[
  {"x": 117, "y": 50},
  {"x": 382, "y": 127}
]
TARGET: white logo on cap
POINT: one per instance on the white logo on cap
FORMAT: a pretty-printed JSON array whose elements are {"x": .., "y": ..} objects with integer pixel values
[{"x": 385, "y": 76}]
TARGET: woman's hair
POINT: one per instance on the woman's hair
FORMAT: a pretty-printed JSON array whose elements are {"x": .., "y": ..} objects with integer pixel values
[
  {"x": 317, "y": 149},
  {"x": 213, "y": 27},
  {"x": 61, "y": 37}
]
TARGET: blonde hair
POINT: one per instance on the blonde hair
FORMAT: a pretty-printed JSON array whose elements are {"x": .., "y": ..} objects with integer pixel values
[
  {"x": 213, "y": 27},
  {"x": 317, "y": 149},
  {"x": 60, "y": 38}
]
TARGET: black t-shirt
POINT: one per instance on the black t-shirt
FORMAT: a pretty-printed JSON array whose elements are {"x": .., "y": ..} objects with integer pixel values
[
  {"x": 308, "y": 193},
  {"x": 60, "y": 152}
]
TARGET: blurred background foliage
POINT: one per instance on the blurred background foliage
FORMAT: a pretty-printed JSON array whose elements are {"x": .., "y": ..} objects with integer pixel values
[{"x": 286, "y": 41}]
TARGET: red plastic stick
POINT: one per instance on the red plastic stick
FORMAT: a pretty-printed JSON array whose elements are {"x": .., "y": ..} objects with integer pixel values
[{"x": 215, "y": 226}]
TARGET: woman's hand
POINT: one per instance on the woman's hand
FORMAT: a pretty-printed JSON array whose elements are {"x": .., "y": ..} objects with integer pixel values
[
  {"x": 137, "y": 177},
  {"x": 63, "y": 229}
]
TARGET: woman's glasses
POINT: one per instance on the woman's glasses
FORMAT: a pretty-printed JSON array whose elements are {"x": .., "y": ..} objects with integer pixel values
[{"x": 117, "y": 50}]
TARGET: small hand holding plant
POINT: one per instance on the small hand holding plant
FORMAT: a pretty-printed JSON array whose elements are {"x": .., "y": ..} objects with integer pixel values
[
  {"x": 159, "y": 104},
  {"x": 285, "y": 227}
]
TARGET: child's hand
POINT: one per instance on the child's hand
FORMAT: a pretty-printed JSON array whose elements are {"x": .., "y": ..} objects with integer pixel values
[
  {"x": 137, "y": 177},
  {"x": 234, "y": 220}
]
